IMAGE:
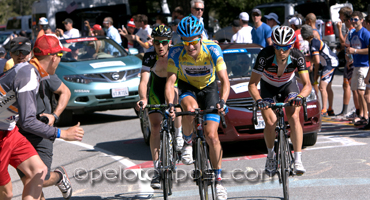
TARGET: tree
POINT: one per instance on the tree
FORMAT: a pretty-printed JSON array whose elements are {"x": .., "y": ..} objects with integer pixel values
[{"x": 13, "y": 8}]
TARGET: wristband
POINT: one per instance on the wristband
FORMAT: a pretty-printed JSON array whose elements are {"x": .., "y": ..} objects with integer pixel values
[
  {"x": 300, "y": 96},
  {"x": 55, "y": 116},
  {"x": 59, "y": 131},
  {"x": 316, "y": 83}
]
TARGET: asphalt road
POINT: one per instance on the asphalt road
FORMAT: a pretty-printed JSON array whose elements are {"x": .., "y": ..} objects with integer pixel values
[{"x": 113, "y": 162}]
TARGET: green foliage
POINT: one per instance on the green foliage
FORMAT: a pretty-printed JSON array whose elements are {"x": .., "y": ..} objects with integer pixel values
[{"x": 12, "y": 8}]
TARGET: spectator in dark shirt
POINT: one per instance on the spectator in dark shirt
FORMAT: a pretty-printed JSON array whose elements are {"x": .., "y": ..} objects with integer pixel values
[{"x": 2, "y": 59}]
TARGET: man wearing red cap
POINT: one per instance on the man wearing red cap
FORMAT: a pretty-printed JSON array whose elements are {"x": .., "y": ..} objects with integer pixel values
[{"x": 23, "y": 81}]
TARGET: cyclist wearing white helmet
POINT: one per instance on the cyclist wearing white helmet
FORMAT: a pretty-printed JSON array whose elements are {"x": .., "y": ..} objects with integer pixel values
[{"x": 275, "y": 69}]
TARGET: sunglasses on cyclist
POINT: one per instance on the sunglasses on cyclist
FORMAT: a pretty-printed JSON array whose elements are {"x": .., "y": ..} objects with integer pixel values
[
  {"x": 58, "y": 54},
  {"x": 198, "y": 9},
  {"x": 24, "y": 52},
  {"x": 193, "y": 42},
  {"x": 354, "y": 19},
  {"x": 163, "y": 42},
  {"x": 284, "y": 48}
]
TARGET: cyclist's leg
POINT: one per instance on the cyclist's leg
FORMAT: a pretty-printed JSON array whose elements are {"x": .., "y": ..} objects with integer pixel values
[
  {"x": 178, "y": 128},
  {"x": 155, "y": 119},
  {"x": 6, "y": 191},
  {"x": 326, "y": 77}
]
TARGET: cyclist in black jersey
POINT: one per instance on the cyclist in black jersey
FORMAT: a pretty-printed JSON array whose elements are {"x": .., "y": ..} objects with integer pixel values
[
  {"x": 275, "y": 68},
  {"x": 151, "y": 91}
]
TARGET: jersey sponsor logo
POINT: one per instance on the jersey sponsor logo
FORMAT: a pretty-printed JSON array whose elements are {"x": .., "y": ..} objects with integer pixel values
[
  {"x": 262, "y": 61},
  {"x": 175, "y": 51},
  {"x": 197, "y": 70},
  {"x": 215, "y": 50},
  {"x": 300, "y": 61},
  {"x": 5, "y": 100},
  {"x": 11, "y": 118}
]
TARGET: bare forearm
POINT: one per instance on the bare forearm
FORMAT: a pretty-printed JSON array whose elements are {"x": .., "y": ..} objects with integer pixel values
[
  {"x": 62, "y": 103},
  {"x": 225, "y": 90},
  {"x": 253, "y": 91},
  {"x": 142, "y": 91},
  {"x": 169, "y": 92}
]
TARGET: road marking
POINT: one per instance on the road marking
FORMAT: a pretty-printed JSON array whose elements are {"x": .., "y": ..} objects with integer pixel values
[{"x": 143, "y": 188}]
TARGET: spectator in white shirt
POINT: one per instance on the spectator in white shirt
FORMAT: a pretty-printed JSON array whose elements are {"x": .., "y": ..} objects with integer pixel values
[
  {"x": 70, "y": 33},
  {"x": 244, "y": 35},
  {"x": 143, "y": 36}
]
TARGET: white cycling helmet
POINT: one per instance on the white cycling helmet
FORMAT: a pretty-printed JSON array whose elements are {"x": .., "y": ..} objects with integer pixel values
[
  {"x": 283, "y": 35},
  {"x": 43, "y": 21}
]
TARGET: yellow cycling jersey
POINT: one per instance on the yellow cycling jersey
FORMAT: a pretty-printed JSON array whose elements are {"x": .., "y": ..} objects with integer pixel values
[{"x": 198, "y": 73}]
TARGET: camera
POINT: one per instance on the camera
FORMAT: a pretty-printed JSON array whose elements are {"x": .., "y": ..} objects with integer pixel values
[{"x": 44, "y": 119}]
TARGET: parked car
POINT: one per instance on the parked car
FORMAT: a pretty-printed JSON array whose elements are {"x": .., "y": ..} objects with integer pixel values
[
  {"x": 240, "y": 59},
  {"x": 100, "y": 74},
  {"x": 326, "y": 15}
]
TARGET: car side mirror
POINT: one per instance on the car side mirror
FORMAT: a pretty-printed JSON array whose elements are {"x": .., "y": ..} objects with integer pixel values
[{"x": 133, "y": 51}]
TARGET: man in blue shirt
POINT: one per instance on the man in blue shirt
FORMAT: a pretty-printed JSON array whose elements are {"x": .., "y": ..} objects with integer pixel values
[
  {"x": 359, "y": 41},
  {"x": 261, "y": 32},
  {"x": 112, "y": 33}
]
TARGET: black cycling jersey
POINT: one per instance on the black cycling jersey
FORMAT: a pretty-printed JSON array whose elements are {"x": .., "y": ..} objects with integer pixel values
[
  {"x": 156, "y": 84},
  {"x": 266, "y": 66}
]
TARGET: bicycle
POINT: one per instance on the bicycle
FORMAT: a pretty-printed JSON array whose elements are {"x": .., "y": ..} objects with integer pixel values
[
  {"x": 203, "y": 173},
  {"x": 284, "y": 157},
  {"x": 167, "y": 154}
]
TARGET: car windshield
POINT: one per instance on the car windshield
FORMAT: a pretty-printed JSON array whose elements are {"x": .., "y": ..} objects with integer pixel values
[
  {"x": 239, "y": 62},
  {"x": 91, "y": 48}
]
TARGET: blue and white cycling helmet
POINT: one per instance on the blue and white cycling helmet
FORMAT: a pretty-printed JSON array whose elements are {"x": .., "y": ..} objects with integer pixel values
[
  {"x": 43, "y": 21},
  {"x": 190, "y": 26}
]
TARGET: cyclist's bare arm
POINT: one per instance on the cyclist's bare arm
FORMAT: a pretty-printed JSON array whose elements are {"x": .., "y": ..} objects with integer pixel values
[
  {"x": 144, "y": 79},
  {"x": 252, "y": 87},
  {"x": 170, "y": 90},
  {"x": 316, "y": 64},
  {"x": 307, "y": 87},
  {"x": 225, "y": 84}
]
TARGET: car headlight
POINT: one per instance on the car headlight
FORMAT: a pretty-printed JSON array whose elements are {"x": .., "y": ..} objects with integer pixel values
[
  {"x": 78, "y": 79},
  {"x": 312, "y": 96}
]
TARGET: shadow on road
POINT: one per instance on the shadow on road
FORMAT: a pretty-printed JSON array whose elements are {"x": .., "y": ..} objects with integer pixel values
[
  {"x": 243, "y": 148},
  {"x": 99, "y": 118},
  {"x": 134, "y": 149},
  {"x": 79, "y": 198}
]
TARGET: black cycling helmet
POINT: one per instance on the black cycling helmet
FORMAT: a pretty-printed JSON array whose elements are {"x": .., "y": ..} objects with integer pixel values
[
  {"x": 283, "y": 35},
  {"x": 161, "y": 31}
]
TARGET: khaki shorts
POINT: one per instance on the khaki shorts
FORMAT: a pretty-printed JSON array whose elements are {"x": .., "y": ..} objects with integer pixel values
[{"x": 358, "y": 78}]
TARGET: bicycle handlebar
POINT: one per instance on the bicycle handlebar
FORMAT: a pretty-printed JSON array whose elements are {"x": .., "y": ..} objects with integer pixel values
[
  {"x": 203, "y": 112},
  {"x": 280, "y": 105}
]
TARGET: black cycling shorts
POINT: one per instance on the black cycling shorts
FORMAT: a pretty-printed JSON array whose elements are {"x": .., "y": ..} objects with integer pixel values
[
  {"x": 287, "y": 91},
  {"x": 207, "y": 98}
]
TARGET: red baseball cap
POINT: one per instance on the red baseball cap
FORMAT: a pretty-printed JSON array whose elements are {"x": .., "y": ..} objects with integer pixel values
[
  {"x": 97, "y": 27},
  {"x": 49, "y": 44}
]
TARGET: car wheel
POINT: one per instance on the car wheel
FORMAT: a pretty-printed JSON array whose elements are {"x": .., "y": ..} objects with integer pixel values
[
  {"x": 66, "y": 118},
  {"x": 309, "y": 139}
]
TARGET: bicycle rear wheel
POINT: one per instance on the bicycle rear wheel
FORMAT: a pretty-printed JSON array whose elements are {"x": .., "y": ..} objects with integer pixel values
[{"x": 284, "y": 166}]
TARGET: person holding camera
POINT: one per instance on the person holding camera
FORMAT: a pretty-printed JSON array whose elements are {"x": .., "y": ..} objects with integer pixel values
[{"x": 24, "y": 81}]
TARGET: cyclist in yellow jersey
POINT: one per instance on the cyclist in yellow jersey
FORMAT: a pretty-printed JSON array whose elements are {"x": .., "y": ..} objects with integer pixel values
[{"x": 195, "y": 63}]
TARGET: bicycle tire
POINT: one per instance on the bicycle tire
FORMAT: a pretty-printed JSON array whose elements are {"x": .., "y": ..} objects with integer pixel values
[
  {"x": 145, "y": 127},
  {"x": 198, "y": 168},
  {"x": 165, "y": 164},
  {"x": 210, "y": 181},
  {"x": 284, "y": 166}
]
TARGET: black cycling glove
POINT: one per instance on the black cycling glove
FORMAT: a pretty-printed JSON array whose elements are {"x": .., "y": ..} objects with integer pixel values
[
  {"x": 297, "y": 101},
  {"x": 262, "y": 104}
]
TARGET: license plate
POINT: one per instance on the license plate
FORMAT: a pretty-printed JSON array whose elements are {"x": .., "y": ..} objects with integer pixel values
[
  {"x": 119, "y": 92},
  {"x": 261, "y": 122}
]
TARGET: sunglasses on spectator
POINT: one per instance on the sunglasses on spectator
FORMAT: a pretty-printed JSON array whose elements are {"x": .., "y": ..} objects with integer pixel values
[
  {"x": 198, "y": 9},
  {"x": 24, "y": 52},
  {"x": 284, "y": 48},
  {"x": 354, "y": 19},
  {"x": 163, "y": 42},
  {"x": 58, "y": 54},
  {"x": 256, "y": 14},
  {"x": 193, "y": 42}
]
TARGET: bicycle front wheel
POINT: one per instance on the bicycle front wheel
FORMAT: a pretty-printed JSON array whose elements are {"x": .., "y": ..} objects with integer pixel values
[
  {"x": 206, "y": 175},
  {"x": 166, "y": 172},
  {"x": 284, "y": 166}
]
